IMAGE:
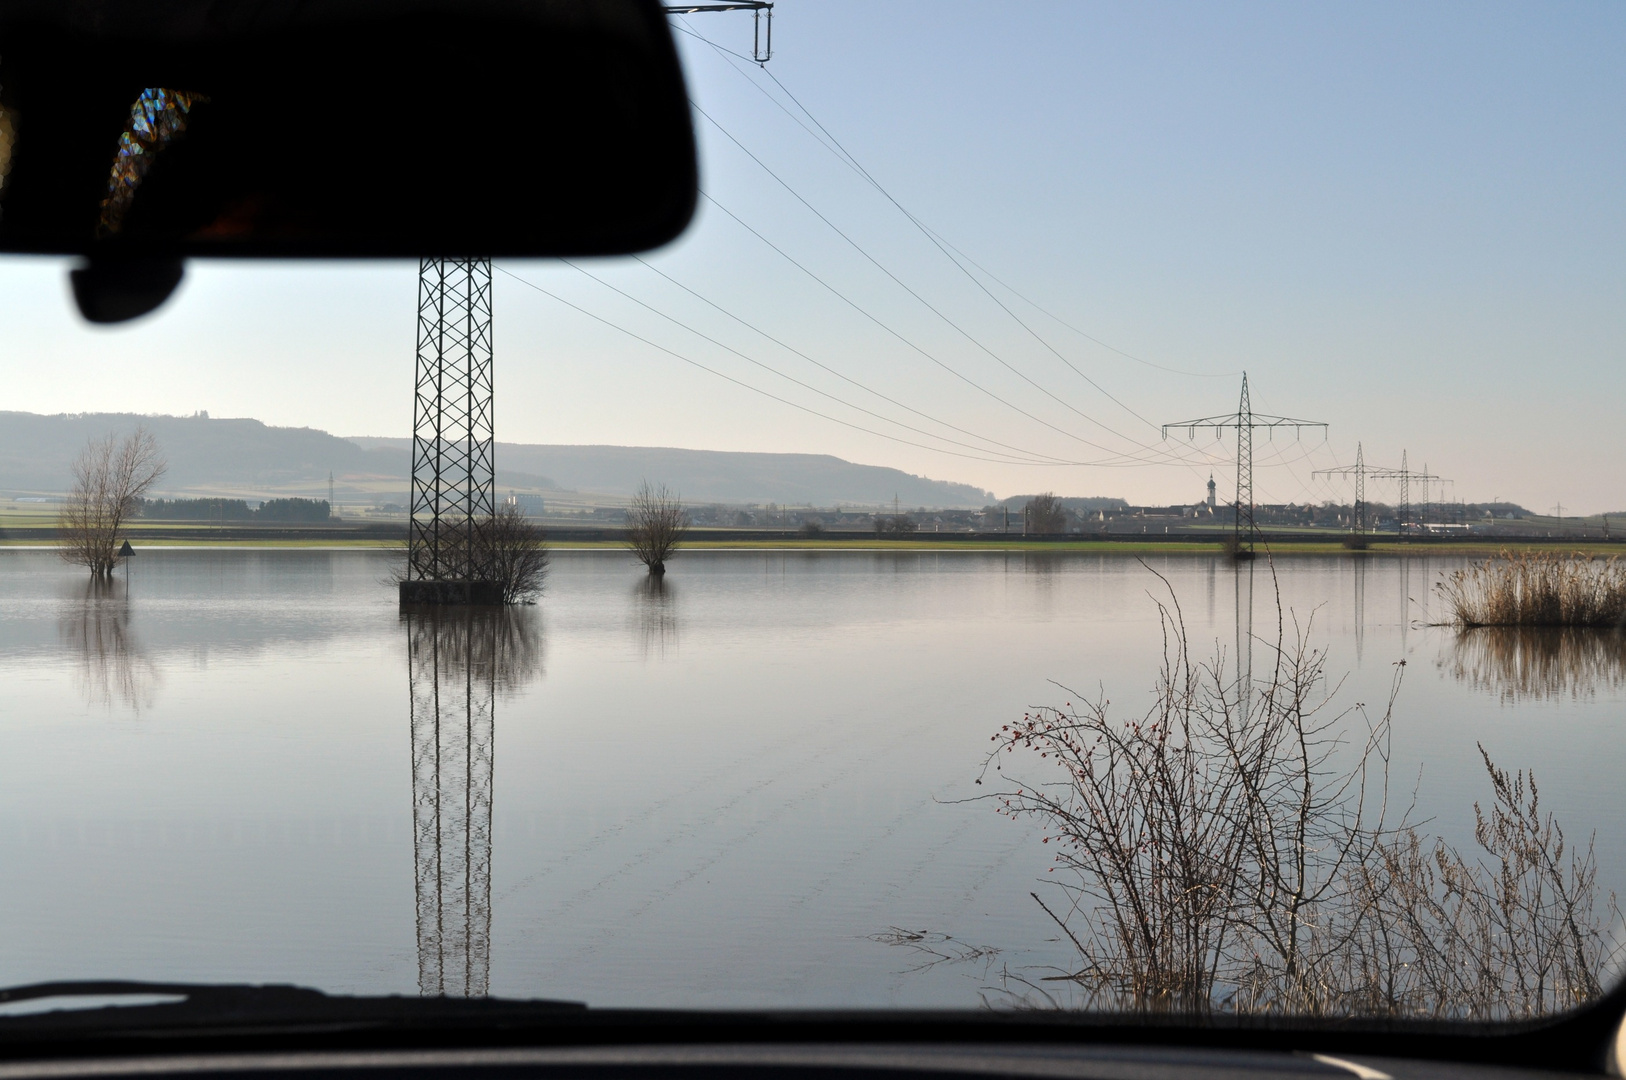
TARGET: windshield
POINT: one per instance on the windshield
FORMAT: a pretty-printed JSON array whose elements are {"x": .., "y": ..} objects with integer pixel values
[{"x": 1107, "y": 507}]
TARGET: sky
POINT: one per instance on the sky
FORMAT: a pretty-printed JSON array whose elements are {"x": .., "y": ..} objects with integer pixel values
[{"x": 1025, "y": 237}]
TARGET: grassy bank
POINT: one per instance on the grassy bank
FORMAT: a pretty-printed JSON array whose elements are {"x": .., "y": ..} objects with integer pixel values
[{"x": 1064, "y": 547}]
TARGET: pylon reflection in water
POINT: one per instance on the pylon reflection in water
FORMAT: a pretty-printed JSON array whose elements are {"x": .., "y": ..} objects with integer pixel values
[
  {"x": 460, "y": 660},
  {"x": 452, "y": 731}
]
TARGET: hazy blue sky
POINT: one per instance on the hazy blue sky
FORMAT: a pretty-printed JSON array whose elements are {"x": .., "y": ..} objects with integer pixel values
[{"x": 1403, "y": 219}]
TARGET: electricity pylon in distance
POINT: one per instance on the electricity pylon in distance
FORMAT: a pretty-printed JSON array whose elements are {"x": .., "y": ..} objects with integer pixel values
[
  {"x": 1405, "y": 475},
  {"x": 1245, "y": 421},
  {"x": 1360, "y": 472}
]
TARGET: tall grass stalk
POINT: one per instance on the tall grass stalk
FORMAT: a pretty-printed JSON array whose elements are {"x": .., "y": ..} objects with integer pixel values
[
  {"x": 1232, "y": 849},
  {"x": 1537, "y": 589}
]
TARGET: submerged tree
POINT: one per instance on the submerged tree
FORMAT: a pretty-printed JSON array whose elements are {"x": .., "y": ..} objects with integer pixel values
[
  {"x": 507, "y": 549},
  {"x": 513, "y": 551},
  {"x": 109, "y": 479},
  {"x": 656, "y": 524}
]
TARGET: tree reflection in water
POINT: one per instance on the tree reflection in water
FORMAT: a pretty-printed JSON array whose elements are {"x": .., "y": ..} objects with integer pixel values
[
  {"x": 459, "y": 660},
  {"x": 655, "y": 617},
  {"x": 114, "y": 666},
  {"x": 1526, "y": 663}
]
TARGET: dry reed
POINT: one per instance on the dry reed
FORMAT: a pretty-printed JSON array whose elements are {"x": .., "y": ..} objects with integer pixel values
[
  {"x": 1537, "y": 589},
  {"x": 1229, "y": 851}
]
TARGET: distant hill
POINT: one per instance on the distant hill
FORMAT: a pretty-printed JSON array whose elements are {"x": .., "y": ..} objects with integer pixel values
[
  {"x": 37, "y": 452},
  {"x": 246, "y": 457},
  {"x": 719, "y": 475}
]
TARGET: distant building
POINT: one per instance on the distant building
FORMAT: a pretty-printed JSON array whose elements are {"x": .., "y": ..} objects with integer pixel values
[
  {"x": 1211, "y": 491},
  {"x": 529, "y": 505}
]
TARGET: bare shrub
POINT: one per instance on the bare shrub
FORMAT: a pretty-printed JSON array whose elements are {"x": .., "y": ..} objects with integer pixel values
[
  {"x": 1228, "y": 850},
  {"x": 1537, "y": 589},
  {"x": 512, "y": 550},
  {"x": 507, "y": 548},
  {"x": 656, "y": 524},
  {"x": 1510, "y": 933},
  {"x": 110, "y": 477}
]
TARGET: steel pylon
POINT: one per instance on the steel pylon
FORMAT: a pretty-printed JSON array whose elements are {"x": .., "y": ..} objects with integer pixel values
[
  {"x": 453, "y": 439},
  {"x": 1244, "y": 420}
]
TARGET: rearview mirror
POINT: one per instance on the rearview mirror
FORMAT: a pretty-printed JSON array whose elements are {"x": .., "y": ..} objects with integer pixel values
[{"x": 142, "y": 132}]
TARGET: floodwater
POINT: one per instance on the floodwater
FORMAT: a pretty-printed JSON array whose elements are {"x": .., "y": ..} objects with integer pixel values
[{"x": 730, "y": 791}]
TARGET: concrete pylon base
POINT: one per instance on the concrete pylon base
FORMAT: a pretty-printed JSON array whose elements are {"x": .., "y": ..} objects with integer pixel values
[{"x": 450, "y": 592}]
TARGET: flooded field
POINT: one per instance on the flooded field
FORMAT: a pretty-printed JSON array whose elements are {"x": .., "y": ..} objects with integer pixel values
[{"x": 753, "y": 785}]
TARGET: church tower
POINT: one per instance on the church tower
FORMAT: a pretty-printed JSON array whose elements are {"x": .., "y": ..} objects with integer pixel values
[{"x": 1211, "y": 491}]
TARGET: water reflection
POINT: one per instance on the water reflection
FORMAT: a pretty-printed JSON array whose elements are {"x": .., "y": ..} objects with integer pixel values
[
  {"x": 655, "y": 616},
  {"x": 1244, "y": 636},
  {"x": 1526, "y": 663},
  {"x": 1360, "y": 609},
  {"x": 458, "y": 661},
  {"x": 95, "y": 628}
]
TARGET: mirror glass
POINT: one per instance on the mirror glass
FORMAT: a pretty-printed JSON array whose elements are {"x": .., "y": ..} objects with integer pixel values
[{"x": 351, "y": 129}]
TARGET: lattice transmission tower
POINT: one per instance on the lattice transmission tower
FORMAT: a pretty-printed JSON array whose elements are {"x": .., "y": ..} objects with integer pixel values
[
  {"x": 1405, "y": 476},
  {"x": 1245, "y": 421},
  {"x": 454, "y": 688},
  {"x": 453, "y": 464},
  {"x": 1360, "y": 472}
]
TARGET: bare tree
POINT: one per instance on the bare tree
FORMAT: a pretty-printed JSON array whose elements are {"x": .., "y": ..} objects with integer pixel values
[
  {"x": 894, "y": 525},
  {"x": 512, "y": 550},
  {"x": 506, "y": 548},
  {"x": 1045, "y": 515},
  {"x": 656, "y": 524},
  {"x": 109, "y": 479}
]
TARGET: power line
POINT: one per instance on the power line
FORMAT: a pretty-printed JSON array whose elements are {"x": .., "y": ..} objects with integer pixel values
[
  {"x": 845, "y": 378},
  {"x": 838, "y": 294},
  {"x": 766, "y": 393},
  {"x": 918, "y": 297},
  {"x": 842, "y": 154},
  {"x": 775, "y": 371}
]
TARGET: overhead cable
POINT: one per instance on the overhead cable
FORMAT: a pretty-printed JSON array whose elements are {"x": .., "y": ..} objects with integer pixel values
[
  {"x": 843, "y": 377},
  {"x": 926, "y": 303},
  {"x": 826, "y": 139},
  {"x": 790, "y": 378},
  {"x": 838, "y": 294},
  {"x": 766, "y": 393}
]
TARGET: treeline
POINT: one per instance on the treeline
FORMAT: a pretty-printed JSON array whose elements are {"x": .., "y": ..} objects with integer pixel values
[{"x": 227, "y": 510}]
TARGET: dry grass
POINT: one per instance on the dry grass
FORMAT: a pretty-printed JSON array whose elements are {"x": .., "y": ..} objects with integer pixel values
[
  {"x": 1230, "y": 851},
  {"x": 1538, "y": 589}
]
